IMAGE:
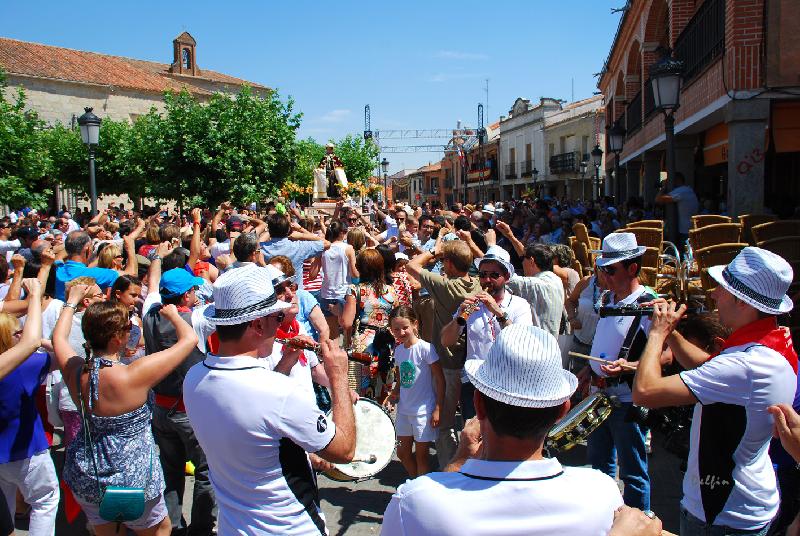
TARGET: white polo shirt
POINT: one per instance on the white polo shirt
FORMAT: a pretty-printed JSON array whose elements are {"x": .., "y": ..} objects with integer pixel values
[
  {"x": 729, "y": 479},
  {"x": 505, "y": 498},
  {"x": 255, "y": 433},
  {"x": 483, "y": 328},
  {"x": 545, "y": 294},
  {"x": 300, "y": 373},
  {"x": 608, "y": 339}
]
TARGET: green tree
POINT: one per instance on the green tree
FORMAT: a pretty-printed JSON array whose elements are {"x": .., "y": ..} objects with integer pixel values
[
  {"x": 24, "y": 163},
  {"x": 357, "y": 156},
  {"x": 307, "y": 154}
]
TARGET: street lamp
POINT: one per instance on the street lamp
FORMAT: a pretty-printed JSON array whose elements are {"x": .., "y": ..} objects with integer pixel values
[
  {"x": 90, "y": 134},
  {"x": 616, "y": 139},
  {"x": 665, "y": 79},
  {"x": 597, "y": 157},
  {"x": 385, "y": 168},
  {"x": 535, "y": 174},
  {"x": 583, "y": 166}
]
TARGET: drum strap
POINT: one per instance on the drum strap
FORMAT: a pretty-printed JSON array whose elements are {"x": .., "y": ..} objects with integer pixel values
[{"x": 499, "y": 479}]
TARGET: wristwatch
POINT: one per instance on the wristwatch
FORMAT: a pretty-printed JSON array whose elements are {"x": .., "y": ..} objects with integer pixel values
[
  {"x": 155, "y": 258},
  {"x": 503, "y": 318},
  {"x": 73, "y": 306}
]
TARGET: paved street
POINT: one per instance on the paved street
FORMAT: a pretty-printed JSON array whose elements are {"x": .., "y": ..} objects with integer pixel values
[{"x": 357, "y": 509}]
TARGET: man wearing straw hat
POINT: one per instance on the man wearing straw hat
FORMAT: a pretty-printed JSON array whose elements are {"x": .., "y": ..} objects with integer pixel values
[
  {"x": 729, "y": 486},
  {"x": 499, "y": 481},
  {"x": 253, "y": 427},
  {"x": 621, "y": 338}
]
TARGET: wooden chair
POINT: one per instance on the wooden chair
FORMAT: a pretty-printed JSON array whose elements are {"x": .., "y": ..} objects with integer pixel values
[
  {"x": 712, "y": 256},
  {"x": 716, "y": 233},
  {"x": 582, "y": 236},
  {"x": 787, "y": 247},
  {"x": 776, "y": 229},
  {"x": 646, "y": 236},
  {"x": 701, "y": 220},
  {"x": 583, "y": 257},
  {"x": 654, "y": 224},
  {"x": 749, "y": 221}
]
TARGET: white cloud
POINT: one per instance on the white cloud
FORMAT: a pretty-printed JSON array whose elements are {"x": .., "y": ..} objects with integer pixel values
[
  {"x": 335, "y": 116},
  {"x": 458, "y": 55}
]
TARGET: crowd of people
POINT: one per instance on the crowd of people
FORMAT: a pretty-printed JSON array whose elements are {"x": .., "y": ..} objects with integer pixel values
[{"x": 151, "y": 343}]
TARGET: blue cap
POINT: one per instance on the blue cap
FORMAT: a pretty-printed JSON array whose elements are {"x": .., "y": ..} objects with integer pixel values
[{"x": 178, "y": 281}]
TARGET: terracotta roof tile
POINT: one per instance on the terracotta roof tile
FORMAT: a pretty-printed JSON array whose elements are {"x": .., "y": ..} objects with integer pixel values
[{"x": 44, "y": 61}]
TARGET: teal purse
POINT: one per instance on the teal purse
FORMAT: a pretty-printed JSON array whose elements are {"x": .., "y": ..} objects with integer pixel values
[{"x": 117, "y": 504}]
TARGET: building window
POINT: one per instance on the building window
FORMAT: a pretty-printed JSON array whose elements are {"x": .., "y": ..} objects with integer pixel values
[{"x": 186, "y": 59}]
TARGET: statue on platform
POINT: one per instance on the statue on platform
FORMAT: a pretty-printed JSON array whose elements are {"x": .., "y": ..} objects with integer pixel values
[{"x": 329, "y": 172}]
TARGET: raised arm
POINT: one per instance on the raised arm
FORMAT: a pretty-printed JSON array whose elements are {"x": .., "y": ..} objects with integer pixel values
[
  {"x": 61, "y": 345},
  {"x": 505, "y": 230},
  {"x": 154, "y": 275},
  {"x": 195, "y": 247},
  {"x": 151, "y": 369},
  {"x": 15, "y": 290},
  {"x": 129, "y": 243},
  {"x": 342, "y": 447},
  {"x": 31, "y": 334}
]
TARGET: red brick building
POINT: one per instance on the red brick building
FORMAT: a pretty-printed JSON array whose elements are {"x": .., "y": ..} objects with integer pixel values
[{"x": 738, "y": 126}]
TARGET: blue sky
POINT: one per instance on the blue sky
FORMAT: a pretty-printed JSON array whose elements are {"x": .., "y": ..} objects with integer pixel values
[{"x": 417, "y": 64}]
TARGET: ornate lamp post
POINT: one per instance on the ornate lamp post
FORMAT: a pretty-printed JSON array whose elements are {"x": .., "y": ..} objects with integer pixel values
[
  {"x": 597, "y": 158},
  {"x": 665, "y": 77},
  {"x": 616, "y": 139},
  {"x": 385, "y": 168},
  {"x": 536, "y": 187},
  {"x": 583, "y": 166},
  {"x": 90, "y": 134}
]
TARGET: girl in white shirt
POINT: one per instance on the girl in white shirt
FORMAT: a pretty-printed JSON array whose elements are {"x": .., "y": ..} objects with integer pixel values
[{"x": 418, "y": 392}]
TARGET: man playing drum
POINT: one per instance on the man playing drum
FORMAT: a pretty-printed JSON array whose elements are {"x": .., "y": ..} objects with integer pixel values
[
  {"x": 254, "y": 429},
  {"x": 499, "y": 482}
]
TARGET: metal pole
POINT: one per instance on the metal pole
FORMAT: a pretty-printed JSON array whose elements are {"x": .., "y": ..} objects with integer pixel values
[
  {"x": 92, "y": 185},
  {"x": 596, "y": 195},
  {"x": 616, "y": 176},
  {"x": 385, "y": 190},
  {"x": 670, "y": 209}
]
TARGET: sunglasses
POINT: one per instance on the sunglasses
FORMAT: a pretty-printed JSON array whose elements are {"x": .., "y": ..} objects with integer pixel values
[
  {"x": 610, "y": 270},
  {"x": 280, "y": 317},
  {"x": 491, "y": 275}
]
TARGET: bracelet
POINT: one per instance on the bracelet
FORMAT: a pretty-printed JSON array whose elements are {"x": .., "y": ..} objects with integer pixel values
[
  {"x": 73, "y": 306},
  {"x": 156, "y": 258}
]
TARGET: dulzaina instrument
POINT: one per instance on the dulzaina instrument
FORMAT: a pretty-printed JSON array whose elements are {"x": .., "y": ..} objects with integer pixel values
[
  {"x": 635, "y": 310},
  {"x": 581, "y": 421},
  {"x": 359, "y": 357},
  {"x": 461, "y": 319},
  {"x": 375, "y": 443}
]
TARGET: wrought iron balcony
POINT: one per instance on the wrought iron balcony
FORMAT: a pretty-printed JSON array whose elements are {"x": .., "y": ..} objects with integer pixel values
[
  {"x": 565, "y": 162},
  {"x": 527, "y": 168},
  {"x": 633, "y": 114},
  {"x": 511, "y": 171},
  {"x": 649, "y": 100},
  {"x": 703, "y": 38}
]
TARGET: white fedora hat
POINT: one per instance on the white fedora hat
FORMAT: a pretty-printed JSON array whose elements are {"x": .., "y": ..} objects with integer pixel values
[
  {"x": 618, "y": 247},
  {"x": 523, "y": 369},
  {"x": 497, "y": 254},
  {"x": 243, "y": 295},
  {"x": 759, "y": 278}
]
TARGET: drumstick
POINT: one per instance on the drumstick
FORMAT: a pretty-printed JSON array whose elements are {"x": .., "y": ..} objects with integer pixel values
[
  {"x": 600, "y": 360},
  {"x": 371, "y": 459}
]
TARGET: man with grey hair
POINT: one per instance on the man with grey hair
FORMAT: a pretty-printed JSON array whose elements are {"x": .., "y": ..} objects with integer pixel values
[{"x": 78, "y": 246}]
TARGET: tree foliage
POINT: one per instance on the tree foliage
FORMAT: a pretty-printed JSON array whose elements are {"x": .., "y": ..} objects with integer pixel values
[{"x": 357, "y": 156}]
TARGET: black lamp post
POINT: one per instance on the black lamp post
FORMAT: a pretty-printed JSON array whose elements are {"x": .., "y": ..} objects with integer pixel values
[
  {"x": 385, "y": 168},
  {"x": 583, "y": 166},
  {"x": 665, "y": 78},
  {"x": 90, "y": 134},
  {"x": 616, "y": 139},
  {"x": 536, "y": 186},
  {"x": 597, "y": 158}
]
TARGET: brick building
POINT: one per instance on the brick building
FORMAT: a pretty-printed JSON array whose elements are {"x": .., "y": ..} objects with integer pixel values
[
  {"x": 60, "y": 82},
  {"x": 738, "y": 126},
  {"x": 483, "y": 176}
]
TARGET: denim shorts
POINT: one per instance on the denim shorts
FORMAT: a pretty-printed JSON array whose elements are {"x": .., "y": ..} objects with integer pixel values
[
  {"x": 325, "y": 303},
  {"x": 155, "y": 510}
]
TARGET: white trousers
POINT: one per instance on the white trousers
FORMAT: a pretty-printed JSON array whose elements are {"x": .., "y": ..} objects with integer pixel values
[{"x": 36, "y": 479}]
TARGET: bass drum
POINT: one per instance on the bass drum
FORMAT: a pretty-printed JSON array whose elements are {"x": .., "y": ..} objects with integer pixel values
[
  {"x": 581, "y": 421},
  {"x": 375, "y": 442}
]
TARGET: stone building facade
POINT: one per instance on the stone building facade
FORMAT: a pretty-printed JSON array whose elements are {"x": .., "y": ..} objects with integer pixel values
[{"x": 59, "y": 82}]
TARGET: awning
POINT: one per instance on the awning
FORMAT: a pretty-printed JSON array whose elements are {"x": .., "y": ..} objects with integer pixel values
[
  {"x": 715, "y": 150},
  {"x": 786, "y": 126}
]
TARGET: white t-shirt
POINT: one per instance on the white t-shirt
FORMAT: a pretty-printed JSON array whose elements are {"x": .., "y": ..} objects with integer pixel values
[
  {"x": 483, "y": 327},
  {"x": 76, "y": 340},
  {"x": 255, "y": 433},
  {"x": 609, "y": 336},
  {"x": 487, "y": 498},
  {"x": 688, "y": 205},
  {"x": 417, "y": 394},
  {"x": 545, "y": 294},
  {"x": 729, "y": 479},
  {"x": 220, "y": 248}
]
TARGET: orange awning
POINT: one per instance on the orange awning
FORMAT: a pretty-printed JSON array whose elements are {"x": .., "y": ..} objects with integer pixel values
[
  {"x": 715, "y": 150},
  {"x": 786, "y": 126}
]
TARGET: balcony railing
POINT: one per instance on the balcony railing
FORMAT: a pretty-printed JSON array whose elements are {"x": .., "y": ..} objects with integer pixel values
[
  {"x": 633, "y": 114},
  {"x": 649, "y": 101},
  {"x": 703, "y": 39},
  {"x": 527, "y": 168},
  {"x": 511, "y": 171},
  {"x": 565, "y": 162}
]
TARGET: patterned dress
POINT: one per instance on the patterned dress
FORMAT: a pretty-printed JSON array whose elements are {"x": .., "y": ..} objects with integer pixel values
[{"x": 123, "y": 448}]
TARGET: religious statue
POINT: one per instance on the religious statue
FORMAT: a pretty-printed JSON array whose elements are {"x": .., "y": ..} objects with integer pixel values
[{"x": 329, "y": 172}]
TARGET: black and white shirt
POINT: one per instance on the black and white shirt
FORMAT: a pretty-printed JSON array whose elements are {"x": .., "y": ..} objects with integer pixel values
[{"x": 729, "y": 480}]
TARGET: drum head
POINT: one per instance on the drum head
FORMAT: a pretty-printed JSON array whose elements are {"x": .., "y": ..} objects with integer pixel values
[{"x": 375, "y": 436}]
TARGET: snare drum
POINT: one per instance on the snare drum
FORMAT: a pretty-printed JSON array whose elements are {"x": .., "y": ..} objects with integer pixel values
[
  {"x": 375, "y": 442},
  {"x": 581, "y": 421}
]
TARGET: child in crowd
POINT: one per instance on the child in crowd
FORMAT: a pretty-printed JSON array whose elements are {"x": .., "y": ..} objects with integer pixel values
[{"x": 418, "y": 392}]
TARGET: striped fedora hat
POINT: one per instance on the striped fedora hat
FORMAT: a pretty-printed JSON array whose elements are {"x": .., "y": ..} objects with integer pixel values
[
  {"x": 618, "y": 247},
  {"x": 523, "y": 369},
  {"x": 242, "y": 295},
  {"x": 759, "y": 278}
]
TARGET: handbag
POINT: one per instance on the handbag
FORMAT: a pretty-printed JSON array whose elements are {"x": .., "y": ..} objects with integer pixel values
[{"x": 117, "y": 503}]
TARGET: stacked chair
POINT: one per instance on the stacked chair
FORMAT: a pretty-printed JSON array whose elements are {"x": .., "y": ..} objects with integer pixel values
[
  {"x": 701, "y": 220},
  {"x": 749, "y": 221}
]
